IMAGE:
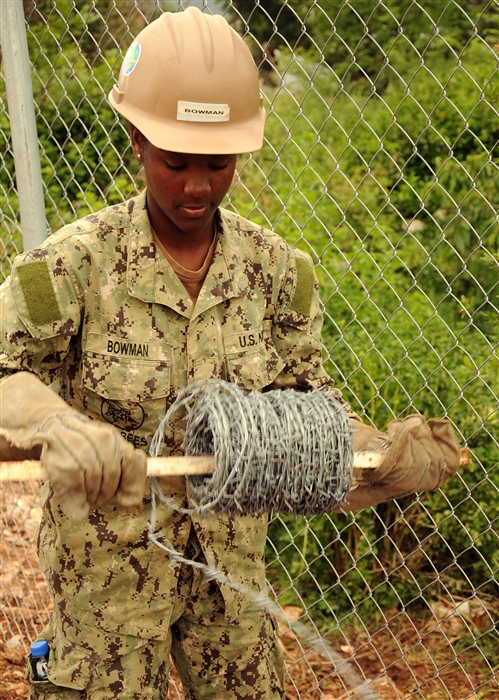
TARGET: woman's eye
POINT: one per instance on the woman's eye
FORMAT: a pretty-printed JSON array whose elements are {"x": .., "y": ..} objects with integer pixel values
[{"x": 174, "y": 166}]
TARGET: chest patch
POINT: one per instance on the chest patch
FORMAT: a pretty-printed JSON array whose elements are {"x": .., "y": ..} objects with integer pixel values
[
  {"x": 127, "y": 415},
  {"x": 126, "y": 348},
  {"x": 239, "y": 342}
]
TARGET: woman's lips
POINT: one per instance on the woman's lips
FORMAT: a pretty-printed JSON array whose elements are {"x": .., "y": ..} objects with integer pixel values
[{"x": 194, "y": 211}]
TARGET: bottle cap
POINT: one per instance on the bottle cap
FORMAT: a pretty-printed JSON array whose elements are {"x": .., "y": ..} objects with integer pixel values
[{"x": 39, "y": 648}]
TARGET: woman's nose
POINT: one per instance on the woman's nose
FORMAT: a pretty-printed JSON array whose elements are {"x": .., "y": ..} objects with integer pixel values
[{"x": 197, "y": 183}]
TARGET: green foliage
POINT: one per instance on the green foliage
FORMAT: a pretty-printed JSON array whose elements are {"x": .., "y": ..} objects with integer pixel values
[
  {"x": 365, "y": 39},
  {"x": 397, "y": 201}
]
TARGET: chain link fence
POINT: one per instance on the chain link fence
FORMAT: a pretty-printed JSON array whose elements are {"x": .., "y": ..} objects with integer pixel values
[{"x": 381, "y": 160}]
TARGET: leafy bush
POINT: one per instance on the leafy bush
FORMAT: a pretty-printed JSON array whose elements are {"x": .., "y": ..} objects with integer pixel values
[
  {"x": 364, "y": 40},
  {"x": 405, "y": 235}
]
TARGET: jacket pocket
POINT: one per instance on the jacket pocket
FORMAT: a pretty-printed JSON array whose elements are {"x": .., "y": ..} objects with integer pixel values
[
  {"x": 133, "y": 370},
  {"x": 252, "y": 358},
  {"x": 129, "y": 391}
]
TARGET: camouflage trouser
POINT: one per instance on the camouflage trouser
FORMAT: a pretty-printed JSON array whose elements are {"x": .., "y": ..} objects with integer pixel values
[{"x": 216, "y": 661}]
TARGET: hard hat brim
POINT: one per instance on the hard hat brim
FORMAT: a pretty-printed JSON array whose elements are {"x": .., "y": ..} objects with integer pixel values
[{"x": 196, "y": 137}]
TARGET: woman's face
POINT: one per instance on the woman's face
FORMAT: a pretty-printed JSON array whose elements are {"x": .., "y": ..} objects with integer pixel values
[{"x": 183, "y": 190}]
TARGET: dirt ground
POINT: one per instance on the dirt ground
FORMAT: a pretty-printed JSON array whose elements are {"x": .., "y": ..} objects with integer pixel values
[{"x": 398, "y": 661}]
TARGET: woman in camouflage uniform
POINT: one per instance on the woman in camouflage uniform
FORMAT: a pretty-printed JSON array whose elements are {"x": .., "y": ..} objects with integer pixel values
[{"x": 101, "y": 327}]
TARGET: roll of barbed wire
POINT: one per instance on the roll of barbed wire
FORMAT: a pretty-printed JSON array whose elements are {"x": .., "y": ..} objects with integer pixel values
[{"x": 278, "y": 451}]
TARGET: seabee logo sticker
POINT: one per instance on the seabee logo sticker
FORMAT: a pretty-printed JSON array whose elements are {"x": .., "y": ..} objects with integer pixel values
[{"x": 131, "y": 59}]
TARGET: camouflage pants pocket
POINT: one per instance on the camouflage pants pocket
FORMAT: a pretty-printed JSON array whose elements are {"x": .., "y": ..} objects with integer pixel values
[
  {"x": 45, "y": 690},
  {"x": 89, "y": 663},
  {"x": 69, "y": 671}
]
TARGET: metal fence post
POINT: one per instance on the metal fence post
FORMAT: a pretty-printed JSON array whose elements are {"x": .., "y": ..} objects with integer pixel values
[{"x": 22, "y": 120}]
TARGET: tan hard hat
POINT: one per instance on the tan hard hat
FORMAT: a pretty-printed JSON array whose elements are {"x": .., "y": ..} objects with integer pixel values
[{"x": 190, "y": 85}]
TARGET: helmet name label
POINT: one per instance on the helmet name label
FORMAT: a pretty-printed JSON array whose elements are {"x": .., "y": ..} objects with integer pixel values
[{"x": 202, "y": 112}]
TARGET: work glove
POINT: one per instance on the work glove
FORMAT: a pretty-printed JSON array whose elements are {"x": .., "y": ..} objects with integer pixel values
[
  {"x": 420, "y": 455},
  {"x": 86, "y": 462}
]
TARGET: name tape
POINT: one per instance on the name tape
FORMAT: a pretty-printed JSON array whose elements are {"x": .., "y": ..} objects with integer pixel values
[{"x": 202, "y": 112}]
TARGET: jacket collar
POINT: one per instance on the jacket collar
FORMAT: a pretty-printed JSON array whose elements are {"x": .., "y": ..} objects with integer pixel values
[{"x": 151, "y": 278}]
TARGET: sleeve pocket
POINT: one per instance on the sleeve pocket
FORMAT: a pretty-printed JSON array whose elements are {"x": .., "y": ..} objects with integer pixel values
[{"x": 46, "y": 306}]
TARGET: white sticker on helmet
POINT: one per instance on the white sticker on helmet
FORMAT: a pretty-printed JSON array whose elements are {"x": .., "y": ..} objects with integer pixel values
[
  {"x": 131, "y": 59},
  {"x": 202, "y": 112}
]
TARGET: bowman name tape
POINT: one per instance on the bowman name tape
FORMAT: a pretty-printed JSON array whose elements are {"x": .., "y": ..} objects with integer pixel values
[{"x": 202, "y": 112}]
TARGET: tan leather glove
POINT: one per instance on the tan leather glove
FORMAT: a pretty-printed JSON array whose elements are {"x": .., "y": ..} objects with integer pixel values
[
  {"x": 87, "y": 462},
  {"x": 420, "y": 456}
]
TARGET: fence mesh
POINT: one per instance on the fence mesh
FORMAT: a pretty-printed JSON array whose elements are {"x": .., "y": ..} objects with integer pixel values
[{"x": 381, "y": 160}]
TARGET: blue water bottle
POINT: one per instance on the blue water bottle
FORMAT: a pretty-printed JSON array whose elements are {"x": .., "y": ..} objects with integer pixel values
[{"x": 39, "y": 660}]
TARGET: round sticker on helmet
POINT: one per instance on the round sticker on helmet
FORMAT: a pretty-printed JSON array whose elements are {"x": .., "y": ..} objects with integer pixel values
[{"x": 131, "y": 59}]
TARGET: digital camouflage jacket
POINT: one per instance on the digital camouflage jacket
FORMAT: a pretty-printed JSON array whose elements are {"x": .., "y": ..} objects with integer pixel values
[{"x": 98, "y": 313}]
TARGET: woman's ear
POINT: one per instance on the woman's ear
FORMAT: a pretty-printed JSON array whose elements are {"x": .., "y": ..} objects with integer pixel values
[{"x": 136, "y": 140}]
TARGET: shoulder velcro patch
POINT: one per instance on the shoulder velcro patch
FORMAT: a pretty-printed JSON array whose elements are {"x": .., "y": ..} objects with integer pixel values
[
  {"x": 38, "y": 292},
  {"x": 304, "y": 290}
]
